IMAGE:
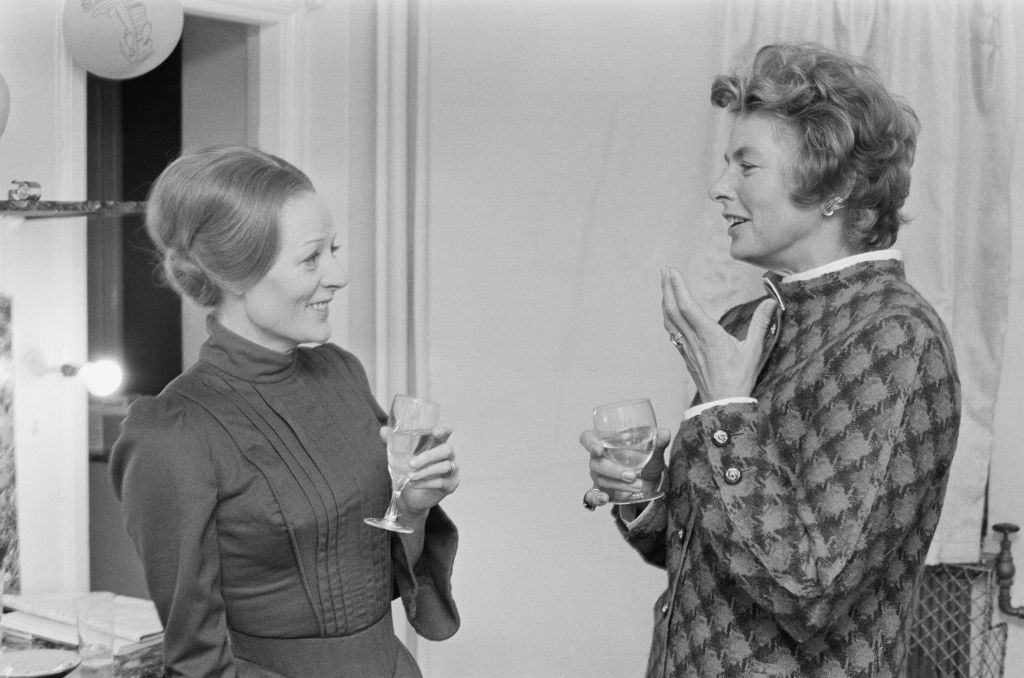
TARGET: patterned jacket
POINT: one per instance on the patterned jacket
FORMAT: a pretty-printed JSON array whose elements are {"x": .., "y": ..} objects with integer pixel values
[{"x": 795, "y": 526}]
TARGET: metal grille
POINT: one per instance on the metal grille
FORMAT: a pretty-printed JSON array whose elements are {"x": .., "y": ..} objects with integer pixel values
[{"x": 951, "y": 633}]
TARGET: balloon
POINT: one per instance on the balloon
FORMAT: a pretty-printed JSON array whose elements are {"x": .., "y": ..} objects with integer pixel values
[
  {"x": 5, "y": 104},
  {"x": 121, "y": 39}
]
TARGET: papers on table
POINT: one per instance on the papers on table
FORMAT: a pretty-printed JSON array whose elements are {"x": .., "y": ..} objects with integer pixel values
[{"x": 52, "y": 617}]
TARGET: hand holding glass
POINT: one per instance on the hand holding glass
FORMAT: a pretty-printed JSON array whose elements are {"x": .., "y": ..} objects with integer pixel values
[
  {"x": 411, "y": 422},
  {"x": 628, "y": 432}
]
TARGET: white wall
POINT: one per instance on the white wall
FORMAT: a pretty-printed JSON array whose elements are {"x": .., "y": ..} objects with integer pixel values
[
  {"x": 554, "y": 140},
  {"x": 215, "y": 109},
  {"x": 42, "y": 266}
]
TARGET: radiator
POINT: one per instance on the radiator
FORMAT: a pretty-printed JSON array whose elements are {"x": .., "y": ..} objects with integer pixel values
[{"x": 950, "y": 634}]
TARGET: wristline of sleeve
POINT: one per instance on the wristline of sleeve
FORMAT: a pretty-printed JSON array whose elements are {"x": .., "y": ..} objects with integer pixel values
[
  {"x": 426, "y": 588},
  {"x": 697, "y": 409}
]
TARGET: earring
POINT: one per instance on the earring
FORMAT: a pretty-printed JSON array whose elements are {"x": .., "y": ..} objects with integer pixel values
[{"x": 833, "y": 204}]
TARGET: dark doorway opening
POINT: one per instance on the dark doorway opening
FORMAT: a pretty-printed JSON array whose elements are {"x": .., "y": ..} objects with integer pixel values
[{"x": 134, "y": 131}]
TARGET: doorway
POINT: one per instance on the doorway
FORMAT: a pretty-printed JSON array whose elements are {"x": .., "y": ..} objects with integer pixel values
[{"x": 199, "y": 95}]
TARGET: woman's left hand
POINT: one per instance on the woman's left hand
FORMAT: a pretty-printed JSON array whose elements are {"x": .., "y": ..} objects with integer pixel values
[
  {"x": 434, "y": 474},
  {"x": 721, "y": 365}
]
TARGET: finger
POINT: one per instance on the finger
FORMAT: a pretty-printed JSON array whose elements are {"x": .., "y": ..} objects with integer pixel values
[
  {"x": 669, "y": 304},
  {"x": 693, "y": 314},
  {"x": 434, "y": 484},
  {"x": 606, "y": 473},
  {"x": 590, "y": 441},
  {"x": 430, "y": 457},
  {"x": 663, "y": 439},
  {"x": 441, "y": 433},
  {"x": 761, "y": 320},
  {"x": 444, "y": 468},
  {"x": 597, "y": 497},
  {"x": 384, "y": 430},
  {"x": 611, "y": 485}
]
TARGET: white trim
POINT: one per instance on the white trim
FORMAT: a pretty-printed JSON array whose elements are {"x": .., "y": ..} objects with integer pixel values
[
  {"x": 70, "y": 160},
  {"x": 697, "y": 409},
  {"x": 391, "y": 300},
  {"x": 282, "y": 86},
  {"x": 840, "y": 264},
  {"x": 63, "y": 488},
  {"x": 246, "y": 11},
  {"x": 420, "y": 348},
  {"x": 280, "y": 70}
]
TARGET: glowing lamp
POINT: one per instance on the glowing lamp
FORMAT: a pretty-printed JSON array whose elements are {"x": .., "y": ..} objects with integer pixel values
[
  {"x": 101, "y": 377},
  {"x": 121, "y": 39}
]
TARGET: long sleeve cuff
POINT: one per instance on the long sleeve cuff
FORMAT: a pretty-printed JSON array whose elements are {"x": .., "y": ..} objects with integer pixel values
[
  {"x": 426, "y": 587},
  {"x": 697, "y": 409}
]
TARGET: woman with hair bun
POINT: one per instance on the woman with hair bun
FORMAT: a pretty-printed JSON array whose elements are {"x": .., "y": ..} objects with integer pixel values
[
  {"x": 805, "y": 482},
  {"x": 244, "y": 483}
]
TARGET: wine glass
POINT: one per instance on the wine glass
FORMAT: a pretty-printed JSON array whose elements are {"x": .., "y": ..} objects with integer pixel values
[
  {"x": 411, "y": 421},
  {"x": 628, "y": 430}
]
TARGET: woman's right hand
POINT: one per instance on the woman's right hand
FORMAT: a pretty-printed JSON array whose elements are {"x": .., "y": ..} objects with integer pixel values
[{"x": 609, "y": 476}]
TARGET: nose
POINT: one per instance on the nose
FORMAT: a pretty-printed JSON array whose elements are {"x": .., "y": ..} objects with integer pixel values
[
  {"x": 335, "y": 271},
  {"x": 721, "y": 188}
]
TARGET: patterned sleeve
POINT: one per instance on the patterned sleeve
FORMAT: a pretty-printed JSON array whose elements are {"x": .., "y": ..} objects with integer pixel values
[
  {"x": 646, "y": 533},
  {"x": 163, "y": 475},
  {"x": 847, "y": 471}
]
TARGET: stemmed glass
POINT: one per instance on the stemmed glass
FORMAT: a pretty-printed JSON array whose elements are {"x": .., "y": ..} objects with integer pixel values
[
  {"x": 628, "y": 430},
  {"x": 411, "y": 421}
]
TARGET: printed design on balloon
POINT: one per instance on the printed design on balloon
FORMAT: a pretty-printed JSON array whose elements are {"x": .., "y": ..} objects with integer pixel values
[
  {"x": 121, "y": 39},
  {"x": 137, "y": 44}
]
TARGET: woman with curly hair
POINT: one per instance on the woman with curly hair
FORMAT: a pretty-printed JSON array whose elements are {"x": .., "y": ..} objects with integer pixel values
[{"x": 805, "y": 482}]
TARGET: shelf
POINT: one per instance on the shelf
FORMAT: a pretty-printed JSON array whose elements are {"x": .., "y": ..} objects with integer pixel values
[{"x": 50, "y": 209}]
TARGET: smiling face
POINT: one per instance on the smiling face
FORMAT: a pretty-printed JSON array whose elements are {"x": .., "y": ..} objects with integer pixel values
[
  {"x": 766, "y": 227},
  {"x": 289, "y": 305}
]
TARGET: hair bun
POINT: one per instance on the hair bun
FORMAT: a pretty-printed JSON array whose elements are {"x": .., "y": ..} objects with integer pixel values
[{"x": 191, "y": 280}]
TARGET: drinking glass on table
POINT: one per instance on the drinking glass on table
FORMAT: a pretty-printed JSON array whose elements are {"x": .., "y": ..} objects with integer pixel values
[
  {"x": 628, "y": 430},
  {"x": 94, "y": 616},
  {"x": 411, "y": 421}
]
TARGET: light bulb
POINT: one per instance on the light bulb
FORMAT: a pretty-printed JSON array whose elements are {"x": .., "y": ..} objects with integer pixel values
[{"x": 101, "y": 377}]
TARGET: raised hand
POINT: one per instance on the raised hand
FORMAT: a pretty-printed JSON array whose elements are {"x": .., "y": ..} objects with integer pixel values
[{"x": 721, "y": 365}]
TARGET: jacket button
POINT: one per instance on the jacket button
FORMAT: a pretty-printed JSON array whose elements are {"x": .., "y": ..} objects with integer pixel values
[
  {"x": 733, "y": 475},
  {"x": 720, "y": 437},
  {"x": 664, "y": 608}
]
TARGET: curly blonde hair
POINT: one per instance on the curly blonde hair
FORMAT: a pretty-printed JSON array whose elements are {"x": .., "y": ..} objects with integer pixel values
[{"x": 854, "y": 140}]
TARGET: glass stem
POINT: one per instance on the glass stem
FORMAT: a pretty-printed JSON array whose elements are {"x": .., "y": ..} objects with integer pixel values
[{"x": 392, "y": 513}]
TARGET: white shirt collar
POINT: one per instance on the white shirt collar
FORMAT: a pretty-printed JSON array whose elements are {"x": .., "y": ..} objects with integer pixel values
[{"x": 839, "y": 264}]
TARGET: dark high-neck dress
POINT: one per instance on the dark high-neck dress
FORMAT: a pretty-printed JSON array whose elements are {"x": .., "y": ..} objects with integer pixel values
[{"x": 244, "y": 486}]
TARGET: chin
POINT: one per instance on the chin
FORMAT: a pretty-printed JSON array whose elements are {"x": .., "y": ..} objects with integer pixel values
[
  {"x": 315, "y": 338},
  {"x": 739, "y": 254}
]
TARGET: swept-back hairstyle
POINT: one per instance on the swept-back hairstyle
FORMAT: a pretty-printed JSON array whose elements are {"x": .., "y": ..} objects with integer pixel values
[
  {"x": 213, "y": 214},
  {"x": 854, "y": 140}
]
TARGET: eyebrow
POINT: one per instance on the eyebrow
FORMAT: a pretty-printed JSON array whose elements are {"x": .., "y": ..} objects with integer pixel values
[{"x": 740, "y": 152}]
